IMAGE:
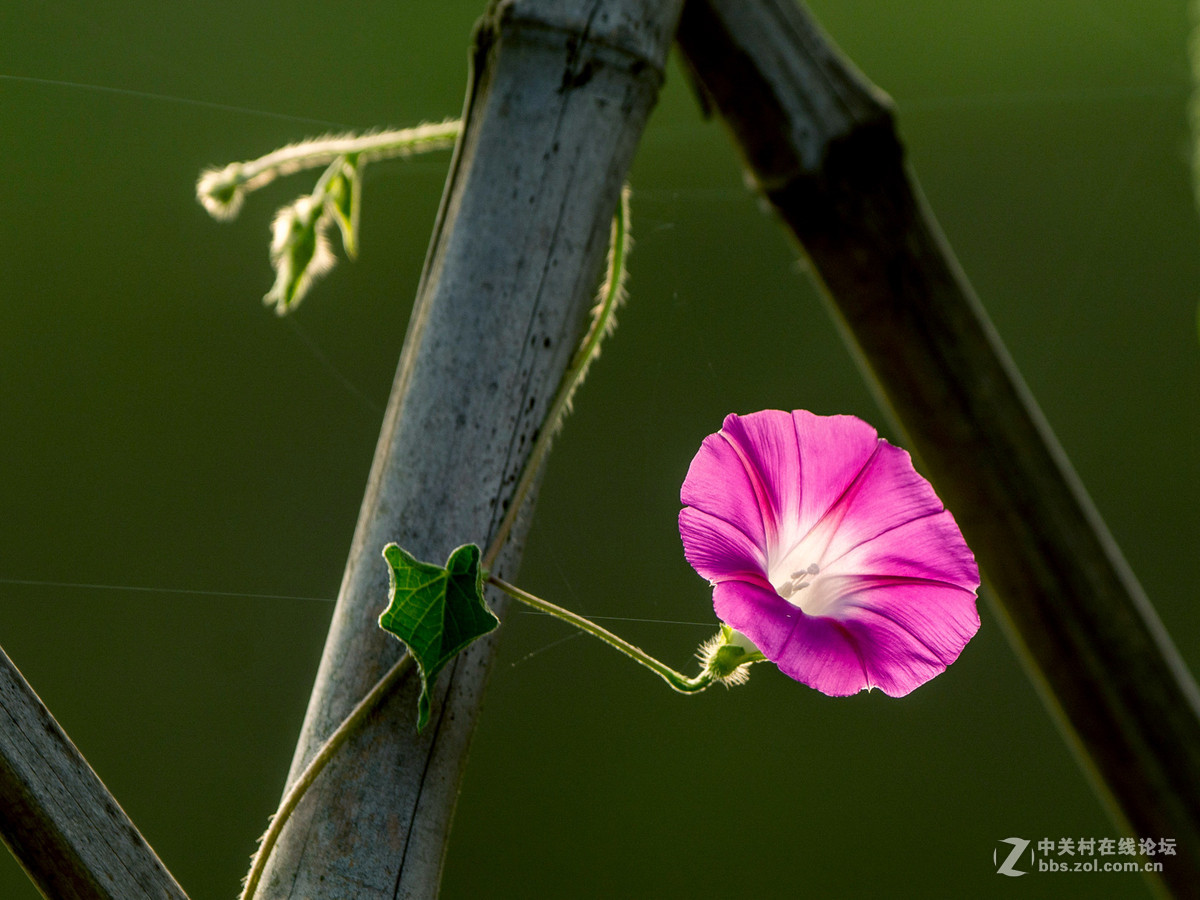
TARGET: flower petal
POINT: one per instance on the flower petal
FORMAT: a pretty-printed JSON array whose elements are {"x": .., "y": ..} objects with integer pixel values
[
  {"x": 758, "y": 612},
  {"x": 765, "y": 444},
  {"x": 908, "y": 633},
  {"x": 891, "y": 637},
  {"x": 887, "y": 494},
  {"x": 800, "y": 466},
  {"x": 930, "y": 548},
  {"x": 718, "y": 483},
  {"x": 814, "y": 650},
  {"x": 833, "y": 450},
  {"x": 717, "y": 550}
]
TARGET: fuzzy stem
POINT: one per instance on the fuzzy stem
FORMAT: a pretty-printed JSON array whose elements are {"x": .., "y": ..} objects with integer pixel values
[
  {"x": 221, "y": 191},
  {"x": 301, "y": 785},
  {"x": 603, "y": 321}
]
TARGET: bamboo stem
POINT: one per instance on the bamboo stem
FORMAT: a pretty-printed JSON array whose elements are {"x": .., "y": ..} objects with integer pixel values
[
  {"x": 560, "y": 92},
  {"x": 56, "y": 816}
]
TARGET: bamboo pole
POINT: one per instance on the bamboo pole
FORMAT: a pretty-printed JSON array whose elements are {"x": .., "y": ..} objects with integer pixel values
[
  {"x": 559, "y": 94},
  {"x": 821, "y": 144},
  {"x": 56, "y": 816}
]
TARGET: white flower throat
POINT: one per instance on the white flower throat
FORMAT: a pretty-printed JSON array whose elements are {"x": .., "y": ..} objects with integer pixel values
[{"x": 799, "y": 566}]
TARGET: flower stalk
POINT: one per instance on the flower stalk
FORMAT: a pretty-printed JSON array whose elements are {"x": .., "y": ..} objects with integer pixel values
[{"x": 677, "y": 680}]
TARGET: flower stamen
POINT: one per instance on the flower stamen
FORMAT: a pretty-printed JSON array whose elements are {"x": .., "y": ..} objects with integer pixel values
[{"x": 796, "y": 582}]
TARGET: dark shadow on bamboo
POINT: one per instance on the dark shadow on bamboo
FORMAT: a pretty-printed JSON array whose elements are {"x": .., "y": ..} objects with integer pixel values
[{"x": 821, "y": 144}]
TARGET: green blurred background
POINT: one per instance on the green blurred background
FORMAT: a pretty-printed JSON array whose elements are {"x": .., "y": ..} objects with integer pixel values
[{"x": 162, "y": 435}]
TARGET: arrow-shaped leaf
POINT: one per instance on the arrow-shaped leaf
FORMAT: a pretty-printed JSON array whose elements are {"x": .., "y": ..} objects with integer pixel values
[{"x": 435, "y": 611}]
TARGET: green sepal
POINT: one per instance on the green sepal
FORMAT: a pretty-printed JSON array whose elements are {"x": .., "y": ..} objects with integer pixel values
[{"x": 435, "y": 611}]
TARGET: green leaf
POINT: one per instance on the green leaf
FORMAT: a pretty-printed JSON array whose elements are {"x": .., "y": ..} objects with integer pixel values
[
  {"x": 299, "y": 252},
  {"x": 435, "y": 611},
  {"x": 345, "y": 200}
]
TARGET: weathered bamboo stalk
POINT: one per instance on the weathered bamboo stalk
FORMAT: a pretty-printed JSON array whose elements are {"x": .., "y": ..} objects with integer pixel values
[
  {"x": 821, "y": 143},
  {"x": 56, "y": 816},
  {"x": 559, "y": 95}
]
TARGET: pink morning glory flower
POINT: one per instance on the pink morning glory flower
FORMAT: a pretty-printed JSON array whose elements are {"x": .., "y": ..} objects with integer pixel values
[{"x": 829, "y": 552}]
